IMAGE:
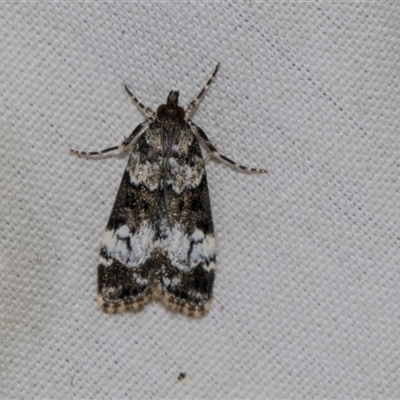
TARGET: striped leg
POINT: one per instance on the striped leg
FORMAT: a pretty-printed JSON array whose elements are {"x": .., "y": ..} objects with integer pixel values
[
  {"x": 193, "y": 104},
  {"x": 145, "y": 109},
  {"x": 215, "y": 153},
  {"x": 123, "y": 146}
]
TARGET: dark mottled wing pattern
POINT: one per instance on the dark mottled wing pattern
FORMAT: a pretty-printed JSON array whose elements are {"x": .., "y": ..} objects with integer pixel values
[{"x": 159, "y": 241}]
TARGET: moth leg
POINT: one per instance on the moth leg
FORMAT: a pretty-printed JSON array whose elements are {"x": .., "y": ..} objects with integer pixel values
[
  {"x": 212, "y": 150},
  {"x": 123, "y": 146},
  {"x": 193, "y": 104},
  {"x": 145, "y": 109}
]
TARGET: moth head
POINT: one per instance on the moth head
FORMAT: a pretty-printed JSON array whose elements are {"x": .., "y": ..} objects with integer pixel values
[{"x": 171, "y": 110}]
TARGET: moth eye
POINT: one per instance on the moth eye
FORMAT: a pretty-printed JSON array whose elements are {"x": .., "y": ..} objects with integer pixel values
[
  {"x": 181, "y": 114},
  {"x": 161, "y": 111}
]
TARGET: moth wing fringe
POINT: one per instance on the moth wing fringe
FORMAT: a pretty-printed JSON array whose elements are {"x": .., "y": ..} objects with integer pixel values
[
  {"x": 174, "y": 304},
  {"x": 170, "y": 302},
  {"x": 123, "y": 305}
]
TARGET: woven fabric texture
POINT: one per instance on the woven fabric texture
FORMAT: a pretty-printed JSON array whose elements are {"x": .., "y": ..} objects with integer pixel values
[{"x": 307, "y": 292}]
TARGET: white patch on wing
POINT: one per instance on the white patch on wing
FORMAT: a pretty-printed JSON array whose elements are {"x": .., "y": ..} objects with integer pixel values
[
  {"x": 210, "y": 267},
  {"x": 188, "y": 251},
  {"x": 105, "y": 262},
  {"x": 197, "y": 235},
  {"x": 183, "y": 176},
  {"x": 136, "y": 252},
  {"x": 203, "y": 250},
  {"x": 146, "y": 173},
  {"x": 170, "y": 283},
  {"x": 176, "y": 244},
  {"x": 184, "y": 251},
  {"x": 139, "y": 280}
]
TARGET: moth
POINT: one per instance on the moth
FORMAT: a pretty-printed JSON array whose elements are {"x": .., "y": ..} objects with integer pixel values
[{"x": 159, "y": 241}]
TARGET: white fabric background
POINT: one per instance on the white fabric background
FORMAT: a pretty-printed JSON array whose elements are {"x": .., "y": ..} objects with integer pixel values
[{"x": 307, "y": 292}]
